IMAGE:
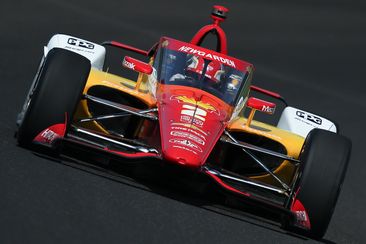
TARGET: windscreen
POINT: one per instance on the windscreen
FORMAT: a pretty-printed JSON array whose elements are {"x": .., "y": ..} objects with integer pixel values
[{"x": 215, "y": 77}]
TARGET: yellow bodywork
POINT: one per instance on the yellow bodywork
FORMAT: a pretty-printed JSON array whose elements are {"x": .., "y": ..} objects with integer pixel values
[
  {"x": 96, "y": 77},
  {"x": 293, "y": 143}
]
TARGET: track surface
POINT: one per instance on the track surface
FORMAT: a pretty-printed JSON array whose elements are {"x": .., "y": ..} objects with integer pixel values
[{"x": 311, "y": 52}]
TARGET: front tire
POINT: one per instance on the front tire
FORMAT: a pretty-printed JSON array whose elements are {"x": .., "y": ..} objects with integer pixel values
[
  {"x": 324, "y": 158},
  {"x": 56, "y": 91}
]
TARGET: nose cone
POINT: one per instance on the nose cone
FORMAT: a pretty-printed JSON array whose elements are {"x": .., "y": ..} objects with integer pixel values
[
  {"x": 182, "y": 152},
  {"x": 191, "y": 121}
]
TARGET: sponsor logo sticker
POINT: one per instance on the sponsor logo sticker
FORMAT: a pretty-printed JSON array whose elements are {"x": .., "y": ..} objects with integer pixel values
[
  {"x": 208, "y": 55},
  {"x": 80, "y": 43},
  {"x": 268, "y": 109},
  {"x": 194, "y": 112},
  {"x": 128, "y": 64},
  {"x": 200, "y": 104},
  {"x": 186, "y": 143},
  {"x": 49, "y": 135},
  {"x": 187, "y": 135},
  {"x": 310, "y": 117}
]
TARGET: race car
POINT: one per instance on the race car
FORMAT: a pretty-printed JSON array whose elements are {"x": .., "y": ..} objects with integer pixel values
[{"x": 191, "y": 107}]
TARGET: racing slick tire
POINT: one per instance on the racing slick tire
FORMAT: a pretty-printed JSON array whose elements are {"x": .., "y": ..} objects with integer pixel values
[
  {"x": 56, "y": 91},
  {"x": 324, "y": 158}
]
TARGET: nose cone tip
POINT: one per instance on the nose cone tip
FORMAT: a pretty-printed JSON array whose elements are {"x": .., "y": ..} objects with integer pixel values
[
  {"x": 181, "y": 161},
  {"x": 188, "y": 160}
]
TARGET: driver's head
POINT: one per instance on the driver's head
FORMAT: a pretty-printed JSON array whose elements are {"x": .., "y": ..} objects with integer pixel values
[
  {"x": 214, "y": 70},
  {"x": 195, "y": 66}
]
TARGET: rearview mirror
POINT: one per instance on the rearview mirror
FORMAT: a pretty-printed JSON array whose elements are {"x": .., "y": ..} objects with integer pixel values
[
  {"x": 261, "y": 105},
  {"x": 137, "y": 65}
]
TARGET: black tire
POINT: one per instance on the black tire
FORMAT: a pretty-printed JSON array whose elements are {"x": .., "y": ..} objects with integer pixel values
[
  {"x": 56, "y": 90},
  {"x": 324, "y": 158}
]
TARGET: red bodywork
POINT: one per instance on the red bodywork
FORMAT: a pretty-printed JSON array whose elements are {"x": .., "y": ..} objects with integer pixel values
[
  {"x": 215, "y": 27},
  {"x": 49, "y": 135},
  {"x": 261, "y": 105},
  {"x": 191, "y": 121}
]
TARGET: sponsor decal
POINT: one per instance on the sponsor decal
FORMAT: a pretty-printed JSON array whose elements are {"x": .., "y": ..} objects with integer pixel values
[
  {"x": 186, "y": 143},
  {"x": 49, "y": 135},
  {"x": 268, "y": 109},
  {"x": 237, "y": 78},
  {"x": 191, "y": 120},
  {"x": 187, "y": 135},
  {"x": 302, "y": 218},
  {"x": 234, "y": 83},
  {"x": 185, "y": 148},
  {"x": 194, "y": 112},
  {"x": 207, "y": 55},
  {"x": 128, "y": 64},
  {"x": 189, "y": 127},
  {"x": 310, "y": 117},
  {"x": 185, "y": 99},
  {"x": 188, "y": 130},
  {"x": 80, "y": 43}
]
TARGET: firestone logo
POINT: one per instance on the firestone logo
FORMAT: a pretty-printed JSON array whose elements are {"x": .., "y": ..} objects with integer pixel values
[{"x": 207, "y": 55}]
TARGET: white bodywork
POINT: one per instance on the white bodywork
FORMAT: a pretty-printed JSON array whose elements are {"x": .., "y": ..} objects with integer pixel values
[
  {"x": 238, "y": 108},
  {"x": 301, "y": 122},
  {"x": 92, "y": 51},
  {"x": 152, "y": 84}
]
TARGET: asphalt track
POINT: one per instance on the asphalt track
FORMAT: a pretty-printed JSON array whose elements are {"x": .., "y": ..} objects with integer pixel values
[{"x": 312, "y": 52}]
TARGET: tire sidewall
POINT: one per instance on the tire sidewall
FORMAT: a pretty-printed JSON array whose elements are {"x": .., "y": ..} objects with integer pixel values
[{"x": 324, "y": 158}]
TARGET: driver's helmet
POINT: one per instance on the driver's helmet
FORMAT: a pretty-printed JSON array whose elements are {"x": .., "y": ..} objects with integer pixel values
[{"x": 214, "y": 70}]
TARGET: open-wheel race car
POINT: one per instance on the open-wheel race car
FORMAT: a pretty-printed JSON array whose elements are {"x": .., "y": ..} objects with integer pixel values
[{"x": 192, "y": 107}]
